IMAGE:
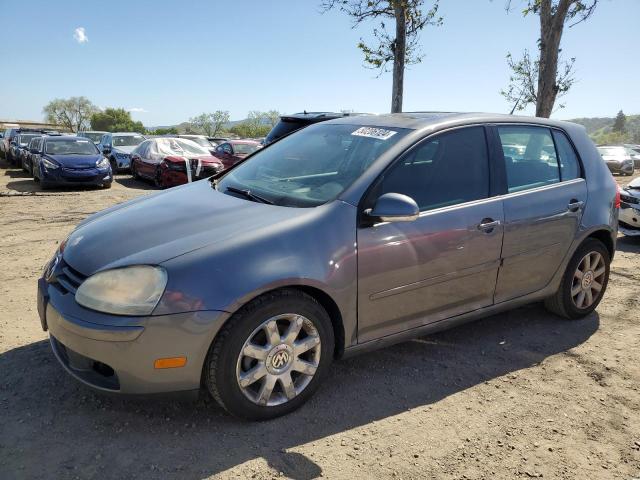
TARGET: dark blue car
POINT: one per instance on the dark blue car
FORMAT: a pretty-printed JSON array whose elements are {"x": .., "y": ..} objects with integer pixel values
[{"x": 67, "y": 160}]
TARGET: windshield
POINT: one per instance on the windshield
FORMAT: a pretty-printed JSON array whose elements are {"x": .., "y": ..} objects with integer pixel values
[
  {"x": 245, "y": 148},
  {"x": 127, "y": 140},
  {"x": 179, "y": 146},
  {"x": 80, "y": 146},
  {"x": 95, "y": 137},
  {"x": 25, "y": 139},
  {"x": 612, "y": 151},
  {"x": 203, "y": 142},
  {"x": 312, "y": 166}
]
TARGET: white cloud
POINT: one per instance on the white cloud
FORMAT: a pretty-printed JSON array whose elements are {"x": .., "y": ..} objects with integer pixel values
[
  {"x": 137, "y": 110},
  {"x": 80, "y": 35}
]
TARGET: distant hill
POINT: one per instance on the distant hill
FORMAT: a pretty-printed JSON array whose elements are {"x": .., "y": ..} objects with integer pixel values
[{"x": 599, "y": 128}]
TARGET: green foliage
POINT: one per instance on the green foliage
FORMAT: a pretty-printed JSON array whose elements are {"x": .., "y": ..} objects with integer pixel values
[
  {"x": 209, "y": 124},
  {"x": 619, "y": 122},
  {"x": 71, "y": 113},
  {"x": 163, "y": 131},
  {"x": 257, "y": 124},
  {"x": 602, "y": 132},
  {"x": 115, "y": 120},
  {"x": 381, "y": 54}
]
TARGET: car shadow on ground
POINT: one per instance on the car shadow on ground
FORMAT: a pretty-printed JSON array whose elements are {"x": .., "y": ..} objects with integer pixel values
[
  {"x": 80, "y": 434},
  {"x": 628, "y": 244},
  {"x": 129, "y": 182}
]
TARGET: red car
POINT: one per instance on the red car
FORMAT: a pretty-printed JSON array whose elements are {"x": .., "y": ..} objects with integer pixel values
[
  {"x": 232, "y": 151},
  {"x": 172, "y": 161}
]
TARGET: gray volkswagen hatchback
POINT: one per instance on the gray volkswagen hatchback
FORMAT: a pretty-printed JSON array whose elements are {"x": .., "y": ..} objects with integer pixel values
[{"x": 346, "y": 236}]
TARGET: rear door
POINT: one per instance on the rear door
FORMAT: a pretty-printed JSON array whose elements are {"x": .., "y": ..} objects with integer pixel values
[
  {"x": 444, "y": 263},
  {"x": 542, "y": 208}
]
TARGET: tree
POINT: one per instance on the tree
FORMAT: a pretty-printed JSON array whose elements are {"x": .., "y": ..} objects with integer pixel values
[
  {"x": 211, "y": 123},
  {"x": 399, "y": 48},
  {"x": 115, "y": 120},
  {"x": 539, "y": 81},
  {"x": 71, "y": 113},
  {"x": 272, "y": 117},
  {"x": 257, "y": 124},
  {"x": 619, "y": 122},
  {"x": 164, "y": 131}
]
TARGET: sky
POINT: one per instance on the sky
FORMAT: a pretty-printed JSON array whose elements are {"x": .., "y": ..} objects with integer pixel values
[{"x": 167, "y": 61}]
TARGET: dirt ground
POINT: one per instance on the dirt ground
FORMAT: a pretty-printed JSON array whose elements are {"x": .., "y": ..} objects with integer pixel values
[{"x": 517, "y": 395}]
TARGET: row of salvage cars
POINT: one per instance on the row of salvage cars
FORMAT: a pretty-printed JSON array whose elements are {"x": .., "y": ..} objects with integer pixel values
[{"x": 92, "y": 158}]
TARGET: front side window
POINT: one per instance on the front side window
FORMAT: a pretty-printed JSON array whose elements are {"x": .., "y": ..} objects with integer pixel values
[
  {"x": 449, "y": 169},
  {"x": 312, "y": 166},
  {"x": 530, "y": 157},
  {"x": 226, "y": 148}
]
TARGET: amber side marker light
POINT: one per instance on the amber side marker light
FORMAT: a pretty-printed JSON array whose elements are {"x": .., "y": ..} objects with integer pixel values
[{"x": 172, "y": 362}]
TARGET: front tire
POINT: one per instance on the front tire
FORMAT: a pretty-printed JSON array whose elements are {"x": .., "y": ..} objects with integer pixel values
[
  {"x": 271, "y": 356},
  {"x": 584, "y": 282}
]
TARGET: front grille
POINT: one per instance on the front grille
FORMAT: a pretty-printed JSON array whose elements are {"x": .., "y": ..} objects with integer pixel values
[{"x": 66, "y": 278}]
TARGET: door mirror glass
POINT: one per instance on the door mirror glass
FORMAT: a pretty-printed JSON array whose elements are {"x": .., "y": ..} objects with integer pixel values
[{"x": 394, "y": 207}]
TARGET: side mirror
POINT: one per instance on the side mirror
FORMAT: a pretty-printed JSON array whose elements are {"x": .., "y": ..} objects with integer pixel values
[{"x": 394, "y": 207}]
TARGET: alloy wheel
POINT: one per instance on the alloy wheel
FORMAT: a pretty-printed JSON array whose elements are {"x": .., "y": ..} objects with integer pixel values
[
  {"x": 278, "y": 360},
  {"x": 588, "y": 280}
]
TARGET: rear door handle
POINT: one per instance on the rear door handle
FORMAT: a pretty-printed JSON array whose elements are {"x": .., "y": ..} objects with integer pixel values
[
  {"x": 575, "y": 205},
  {"x": 488, "y": 224}
]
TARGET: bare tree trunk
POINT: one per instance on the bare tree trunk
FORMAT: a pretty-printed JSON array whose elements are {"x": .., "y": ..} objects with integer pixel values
[
  {"x": 399, "y": 53},
  {"x": 551, "y": 27}
]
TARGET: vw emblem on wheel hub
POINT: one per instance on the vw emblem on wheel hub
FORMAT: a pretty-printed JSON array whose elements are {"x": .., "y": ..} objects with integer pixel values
[
  {"x": 587, "y": 280},
  {"x": 279, "y": 359}
]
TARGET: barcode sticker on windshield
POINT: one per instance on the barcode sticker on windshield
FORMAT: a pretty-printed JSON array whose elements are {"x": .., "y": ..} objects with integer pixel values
[{"x": 372, "y": 132}]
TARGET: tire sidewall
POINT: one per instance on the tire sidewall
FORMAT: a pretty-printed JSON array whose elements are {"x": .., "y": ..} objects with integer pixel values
[
  {"x": 224, "y": 375},
  {"x": 591, "y": 245}
]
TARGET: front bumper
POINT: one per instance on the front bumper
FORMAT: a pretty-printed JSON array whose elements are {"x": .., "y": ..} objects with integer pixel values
[
  {"x": 76, "y": 176},
  {"x": 617, "y": 167},
  {"x": 629, "y": 218},
  {"x": 123, "y": 161},
  {"x": 117, "y": 354}
]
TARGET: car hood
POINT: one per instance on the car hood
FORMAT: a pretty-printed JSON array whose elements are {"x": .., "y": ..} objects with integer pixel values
[
  {"x": 156, "y": 228},
  {"x": 76, "y": 161},
  {"x": 634, "y": 186},
  {"x": 124, "y": 149}
]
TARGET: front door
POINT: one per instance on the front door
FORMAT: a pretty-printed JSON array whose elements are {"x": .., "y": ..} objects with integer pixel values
[
  {"x": 542, "y": 209},
  {"x": 445, "y": 263}
]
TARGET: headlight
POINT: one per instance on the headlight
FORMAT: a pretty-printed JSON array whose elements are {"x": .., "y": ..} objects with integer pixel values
[
  {"x": 124, "y": 291},
  {"x": 102, "y": 163},
  {"x": 49, "y": 163}
]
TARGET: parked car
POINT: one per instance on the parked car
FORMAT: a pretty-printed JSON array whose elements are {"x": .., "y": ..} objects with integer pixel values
[
  {"x": 630, "y": 209},
  {"x": 10, "y": 145},
  {"x": 218, "y": 140},
  {"x": 233, "y": 151},
  {"x": 20, "y": 148},
  {"x": 27, "y": 159},
  {"x": 164, "y": 160},
  {"x": 68, "y": 160},
  {"x": 94, "y": 135},
  {"x": 634, "y": 150},
  {"x": 343, "y": 237},
  {"x": 117, "y": 147},
  {"x": 296, "y": 121},
  {"x": 617, "y": 158}
]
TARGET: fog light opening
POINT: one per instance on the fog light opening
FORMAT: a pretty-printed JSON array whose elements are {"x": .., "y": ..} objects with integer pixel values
[{"x": 103, "y": 369}]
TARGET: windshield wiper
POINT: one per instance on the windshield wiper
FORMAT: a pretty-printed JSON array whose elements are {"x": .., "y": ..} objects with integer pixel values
[{"x": 248, "y": 194}]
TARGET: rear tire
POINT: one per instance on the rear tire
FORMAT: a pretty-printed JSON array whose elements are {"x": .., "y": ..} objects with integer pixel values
[
  {"x": 106, "y": 186},
  {"x": 583, "y": 285},
  {"x": 284, "y": 321}
]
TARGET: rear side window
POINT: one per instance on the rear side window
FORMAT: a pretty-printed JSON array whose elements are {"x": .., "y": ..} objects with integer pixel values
[
  {"x": 530, "y": 157},
  {"x": 569, "y": 165},
  {"x": 449, "y": 169}
]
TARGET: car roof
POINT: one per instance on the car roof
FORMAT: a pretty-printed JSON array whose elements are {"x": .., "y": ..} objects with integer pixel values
[
  {"x": 125, "y": 134},
  {"x": 248, "y": 142},
  {"x": 56, "y": 138},
  {"x": 436, "y": 120}
]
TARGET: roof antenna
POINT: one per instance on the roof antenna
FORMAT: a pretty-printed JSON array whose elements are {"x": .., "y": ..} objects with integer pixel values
[{"x": 305, "y": 112}]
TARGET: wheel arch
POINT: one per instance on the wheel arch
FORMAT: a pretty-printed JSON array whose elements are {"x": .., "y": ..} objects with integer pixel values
[{"x": 604, "y": 236}]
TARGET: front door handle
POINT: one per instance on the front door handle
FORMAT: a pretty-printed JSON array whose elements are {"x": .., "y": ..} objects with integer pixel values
[
  {"x": 488, "y": 224},
  {"x": 575, "y": 205}
]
